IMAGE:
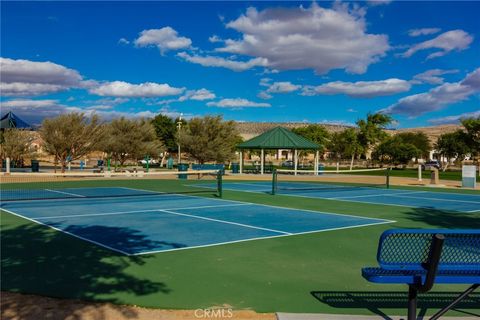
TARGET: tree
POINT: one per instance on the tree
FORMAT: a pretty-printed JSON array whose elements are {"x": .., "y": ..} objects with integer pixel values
[
  {"x": 71, "y": 136},
  {"x": 166, "y": 130},
  {"x": 131, "y": 139},
  {"x": 472, "y": 129},
  {"x": 345, "y": 145},
  {"x": 372, "y": 130},
  {"x": 16, "y": 144},
  {"x": 209, "y": 139},
  {"x": 316, "y": 133},
  {"x": 419, "y": 140},
  {"x": 452, "y": 145},
  {"x": 395, "y": 150}
]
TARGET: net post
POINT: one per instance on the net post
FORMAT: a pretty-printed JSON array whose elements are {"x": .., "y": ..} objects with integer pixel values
[
  {"x": 388, "y": 177},
  {"x": 274, "y": 181},
  {"x": 219, "y": 184}
]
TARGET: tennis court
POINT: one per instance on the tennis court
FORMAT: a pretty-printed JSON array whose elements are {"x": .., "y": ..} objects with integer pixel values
[
  {"x": 167, "y": 222},
  {"x": 373, "y": 195}
]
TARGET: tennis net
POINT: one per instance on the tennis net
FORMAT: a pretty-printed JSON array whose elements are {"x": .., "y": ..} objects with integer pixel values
[
  {"x": 40, "y": 186},
  {"x": 328, "y": 180}
]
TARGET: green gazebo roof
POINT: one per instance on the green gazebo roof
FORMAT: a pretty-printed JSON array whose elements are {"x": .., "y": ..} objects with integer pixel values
[{"x": 278, "y": 138}]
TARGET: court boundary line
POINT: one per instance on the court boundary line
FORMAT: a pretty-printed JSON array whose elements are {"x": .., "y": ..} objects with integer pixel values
[
  {"x": 67, "y": 193},
  {"x": 69, "y": 233},
  {"x": 264, "y": 238},
  {"x": 368, "y": 202},
  {"x": 225, "y": 222},
  {"x": 383, "y": 221},
  {"x": 137, "y": 211},
  {"x": 380, "y": 221},
  {"x": 268, "y": 184}
]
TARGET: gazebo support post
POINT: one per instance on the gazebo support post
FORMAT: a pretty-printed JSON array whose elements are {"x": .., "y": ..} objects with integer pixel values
[
  {"x": 295, "y": 161},
  {"x": 241, "y": 161},
  {"x": 317, "y": 158},
  {"x": 262, "y": 161}
]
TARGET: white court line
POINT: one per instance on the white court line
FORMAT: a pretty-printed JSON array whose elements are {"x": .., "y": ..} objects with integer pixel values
[
  {"x": 69, "y": 233},
  {"x": 226, "y": 222},
  {"x": 472, "y": 211},
  {"x": 383, "y": 221},
  {"x": 373, "y": 195},
  {"x": 262, "y": 238},
  {"x": 139, "y": 211},
  {"x": 438, "y": 199},
  {"x": 67, "y": 193}
]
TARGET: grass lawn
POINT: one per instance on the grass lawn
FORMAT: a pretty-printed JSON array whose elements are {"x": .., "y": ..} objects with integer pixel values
[{"x": 318, "y": 272}]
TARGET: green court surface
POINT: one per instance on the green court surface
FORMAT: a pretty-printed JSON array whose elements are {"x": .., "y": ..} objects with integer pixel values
[{"x": 309, "y": 273}]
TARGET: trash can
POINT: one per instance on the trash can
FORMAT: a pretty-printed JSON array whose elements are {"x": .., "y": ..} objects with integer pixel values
[
  {"x": 182, "y": 167},
  {"x": 321, "y": 167},
  {"x": 170, "y": 163},
  {"x": 235, "y": 167},
  {"x": 35, "y": 166},
  {"x": 100, "y": 163}
]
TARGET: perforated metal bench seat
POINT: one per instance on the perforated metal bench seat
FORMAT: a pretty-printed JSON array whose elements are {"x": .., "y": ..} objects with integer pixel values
[
  {"x": 420, "y": 258},
  {"x": 380, "y": 275}
]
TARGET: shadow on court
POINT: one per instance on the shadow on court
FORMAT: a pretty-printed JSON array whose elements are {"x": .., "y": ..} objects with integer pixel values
[
  {"x": 444, "y": 219},
  {"x": 38, "y": 260},
  {"x": 377, "y": 301}
]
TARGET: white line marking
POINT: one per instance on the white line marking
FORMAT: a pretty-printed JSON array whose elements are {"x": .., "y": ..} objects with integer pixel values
[
  {"x": 261, "y": 238},
  {"x": 438, "y": 199},
  {"x": 224, "y": 221},
  {"x": 67, "y": 193},
  {"x": 373, "y": 195},
  {"x": 472, "y": 211},
  {"x": 137, "y": 211},
  {"x": 69, "y": 233}
]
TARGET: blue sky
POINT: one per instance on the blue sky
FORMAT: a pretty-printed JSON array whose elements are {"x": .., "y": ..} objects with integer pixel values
[{"x": 330, "y": 62}]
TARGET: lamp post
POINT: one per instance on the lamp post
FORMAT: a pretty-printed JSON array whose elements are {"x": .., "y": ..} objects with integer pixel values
[{"x": 179, "y": 127}]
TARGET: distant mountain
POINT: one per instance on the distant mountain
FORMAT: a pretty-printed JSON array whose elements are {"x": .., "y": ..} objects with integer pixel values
[{"x": 249, "y": 130}]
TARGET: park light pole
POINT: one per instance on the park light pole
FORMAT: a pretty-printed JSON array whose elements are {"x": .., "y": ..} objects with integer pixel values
[{"x": 179, "y": 127}]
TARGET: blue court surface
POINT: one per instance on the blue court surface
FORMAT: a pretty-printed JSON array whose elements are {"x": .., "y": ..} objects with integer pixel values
[
  {"x": 158, "y": 223},
  {"x": 394, "y": 197}
]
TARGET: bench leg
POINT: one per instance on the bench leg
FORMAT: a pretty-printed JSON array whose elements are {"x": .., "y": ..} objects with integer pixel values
[
  {"x": 412, "y": 303},
  {"x": 454, "y": 302}
]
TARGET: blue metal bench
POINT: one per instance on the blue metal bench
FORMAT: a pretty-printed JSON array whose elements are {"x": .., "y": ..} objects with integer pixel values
[{"x": 421, "y": 258}]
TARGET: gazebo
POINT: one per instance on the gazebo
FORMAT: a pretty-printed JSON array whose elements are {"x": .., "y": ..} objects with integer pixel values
[
  {"x": 275, "y": 139},
  {"x": 10, "y": 120}
]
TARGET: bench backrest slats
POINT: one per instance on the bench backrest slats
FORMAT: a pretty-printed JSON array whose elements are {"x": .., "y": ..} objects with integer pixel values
[{"x": 409, "y": 249}]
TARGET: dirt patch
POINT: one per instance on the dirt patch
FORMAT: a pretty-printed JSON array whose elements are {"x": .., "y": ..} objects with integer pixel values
[{"x": 15, "y": 306}]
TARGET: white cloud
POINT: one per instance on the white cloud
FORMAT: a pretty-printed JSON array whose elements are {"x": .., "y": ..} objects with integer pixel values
[
  {"x": 212, "y": 61},
  {"x": 123, "y": 41},
  {"x": 378, "y": 2},
  {"x": 455, "y": 119},
  {"x": 360, "y": 89},
  {"x": 351, "y": 110},
  {"x": 100, "y": 107},
  {"x": 237, "y": 103},
  {"x": 214, "y": 39},
  {"x": 307, "y": 38},
  {"x": 265, "y": 82},
  {"x": 448, "y": 41},
  {"x": 423, "y": 31},
  {"x": 125, "y": 89},
  {"x": 432, "y": 76},
  {"x": 198, "y": 95},
  {"x": 283, "y": 87},
  {"x": 263, "y": 95},
  {"x": 164, "y": 39},
  {"x": 438, "y": 97},
  {"x": 30, "y": 78},
  {"x": 34, "y": 111}
]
